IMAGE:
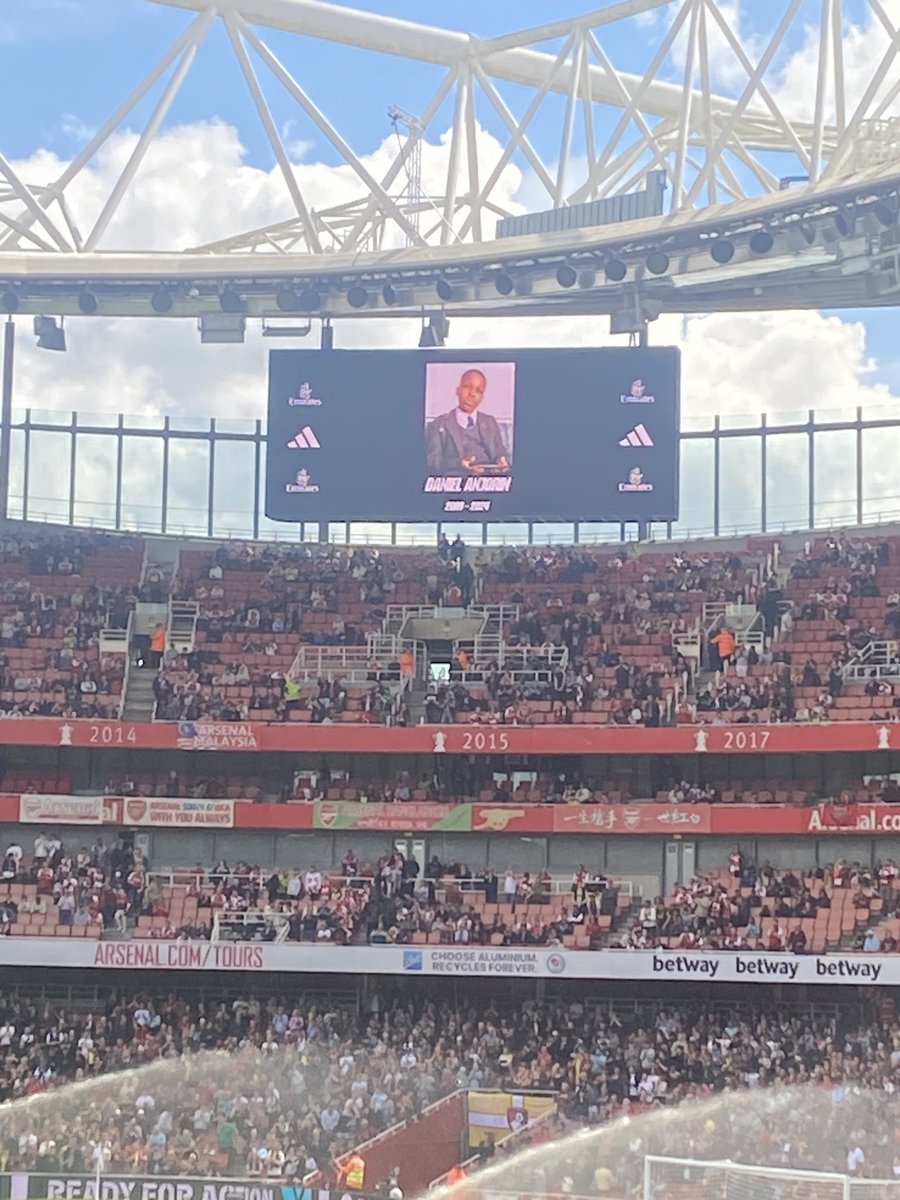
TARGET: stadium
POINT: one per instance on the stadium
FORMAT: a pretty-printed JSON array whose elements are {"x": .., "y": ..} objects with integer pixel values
[{"x": 442, "y": 753}]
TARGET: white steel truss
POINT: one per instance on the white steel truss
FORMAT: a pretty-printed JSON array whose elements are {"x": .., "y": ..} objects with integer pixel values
[{"x": 712, "y": 111}]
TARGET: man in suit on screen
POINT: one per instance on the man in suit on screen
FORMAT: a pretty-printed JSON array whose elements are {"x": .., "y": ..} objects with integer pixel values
[{"x": 465, "y": 439}]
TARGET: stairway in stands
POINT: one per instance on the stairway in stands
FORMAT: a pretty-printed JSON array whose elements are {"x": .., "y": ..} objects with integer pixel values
[{"x": 139, "y": 701}]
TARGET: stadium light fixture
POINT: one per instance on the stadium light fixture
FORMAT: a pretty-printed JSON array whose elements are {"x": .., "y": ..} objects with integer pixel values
[
  {"x": 286, "y": 331},
  {"x": 87, "y": 302},
  {"x": 721, "y": 251},
  {"x": 587, "y": 278},
  {"x": 9, "y": 301},
  {"x": 161, "y": 301},
  {"x": 807, "y": 233},
  {"x": 222, "y": 328},
  {"x": 444, "y": 290},
  {"x": 287, "y": 300},
  {"x": 504, "y": 283},
  {"x": 50, "y": 333},
  {"x": 884, "y": 213},
  {"x": 310, "y": 300},
  {"x": 357, "y": 296},
  {"x": 434, "y": 333},
  {"x": 566, "y": 275},
  {"x": 615, "y": 270},
  {"x": 657, "y": 262},
  {"x": 231, "y": 301},
  {"x": 761, "y": 242},
  {"x": 389, "y": 294},
  {"x": 524, "y": 284},
  {"x": 844, "y": 221}
]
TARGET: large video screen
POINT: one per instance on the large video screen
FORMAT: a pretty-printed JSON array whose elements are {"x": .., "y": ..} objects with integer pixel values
[{"x": 500, "y": 435}]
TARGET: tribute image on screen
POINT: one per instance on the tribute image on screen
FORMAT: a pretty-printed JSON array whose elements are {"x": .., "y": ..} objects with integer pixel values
[
  {"x": 469, "y": 418},
  {"x": 532, "y": 435}
]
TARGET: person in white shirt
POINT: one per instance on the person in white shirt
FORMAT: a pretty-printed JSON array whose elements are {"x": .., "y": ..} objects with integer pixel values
[{"x": 648, "y": 916}]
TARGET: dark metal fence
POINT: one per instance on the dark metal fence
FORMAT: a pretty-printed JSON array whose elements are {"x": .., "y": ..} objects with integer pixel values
[{"x": 206, "y": 478}]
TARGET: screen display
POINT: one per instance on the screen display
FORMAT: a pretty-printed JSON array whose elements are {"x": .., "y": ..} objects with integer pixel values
[{"x": 500, "y": 435}]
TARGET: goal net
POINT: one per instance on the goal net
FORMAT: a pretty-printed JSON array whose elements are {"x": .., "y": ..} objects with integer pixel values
[{"x": 690, "y": 1179}]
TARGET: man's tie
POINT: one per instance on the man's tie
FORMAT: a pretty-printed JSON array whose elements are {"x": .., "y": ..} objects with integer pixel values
[{"x": 471, "y": 424}]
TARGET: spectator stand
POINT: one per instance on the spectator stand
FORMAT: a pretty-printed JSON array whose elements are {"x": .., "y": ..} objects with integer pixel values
[
  {"x": 64, "y": 598},
  {"x": 364, "y": 1073},
  {"x": 830, "y": 610},
  {"x": 385, "y": 905},
  {"x": 352, "y": 684},
  {"x": 264, "y": 600},
  {"x": 742, "y": 908}
]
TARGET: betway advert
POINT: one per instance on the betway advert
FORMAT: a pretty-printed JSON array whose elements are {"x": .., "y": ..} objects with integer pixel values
[{"x": 472, "y": 962}]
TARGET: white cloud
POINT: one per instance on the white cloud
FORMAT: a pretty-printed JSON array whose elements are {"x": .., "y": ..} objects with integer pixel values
[
  {"x": 196, "y": 187},
  {"x": 73, "y": 127},
  {"x": 864, "y": 44}
]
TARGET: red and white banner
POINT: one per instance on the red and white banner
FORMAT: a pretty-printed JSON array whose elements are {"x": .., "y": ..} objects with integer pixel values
[
  {"x": 645, "y": 818},
  {"x": 60, "y": 810},
  {"x": 293, "y": 737},
  {"x": 180, "y": 814}
]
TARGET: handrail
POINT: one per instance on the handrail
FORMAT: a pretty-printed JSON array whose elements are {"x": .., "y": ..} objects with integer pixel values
[
  {"x": 878, "y": 659},
  {"x": 560, "y": 884},
  {"x": 353, "y": 663},
  {"x": 397, "y": 1127},
  {"x": 127, "y": 672},
  {"x": 251, "y": 916}
]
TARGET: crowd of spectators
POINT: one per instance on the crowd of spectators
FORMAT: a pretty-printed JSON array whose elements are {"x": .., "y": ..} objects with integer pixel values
[
  {"x": 294, "y": 905},
  {"x": 299, "y": 1083},
  {"x": 483, "y": 908},
  {"x": 54, "y": 602},
  {"x": 391, "y": 901},
  {"x": 614, "y": 619},
  {"x": 266, "y": 602},
  {"x": 642, "y": 697},
  {"x": 592, "y": 623},
  {"x": 98, "y": 888},
  {"x": 467, "y": 781},
  {"x": 386, "y": 901},
  {"x": 760, "y": 908}
]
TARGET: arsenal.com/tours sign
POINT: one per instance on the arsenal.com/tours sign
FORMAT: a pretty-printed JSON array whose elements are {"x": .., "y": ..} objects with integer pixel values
[{"x": 464, "y": 961}]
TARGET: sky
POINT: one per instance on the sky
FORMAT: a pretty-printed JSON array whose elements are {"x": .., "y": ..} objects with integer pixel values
[{"x": 212, "y": 173}]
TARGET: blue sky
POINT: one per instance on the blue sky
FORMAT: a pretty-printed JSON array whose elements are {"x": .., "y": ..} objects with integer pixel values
[{"x": 88, "y": 54}]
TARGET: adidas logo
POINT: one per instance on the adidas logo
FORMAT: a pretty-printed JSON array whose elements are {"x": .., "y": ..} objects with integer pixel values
[
  {"x": 305, "y": 440},
  {"x": 637, "y": 437}
]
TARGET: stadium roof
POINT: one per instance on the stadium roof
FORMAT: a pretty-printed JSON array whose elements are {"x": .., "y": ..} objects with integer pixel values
[{"x": 808, "y": 206}]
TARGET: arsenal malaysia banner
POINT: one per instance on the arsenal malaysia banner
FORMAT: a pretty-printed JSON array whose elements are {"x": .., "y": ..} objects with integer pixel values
[{"x": 294, "y": 737}]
